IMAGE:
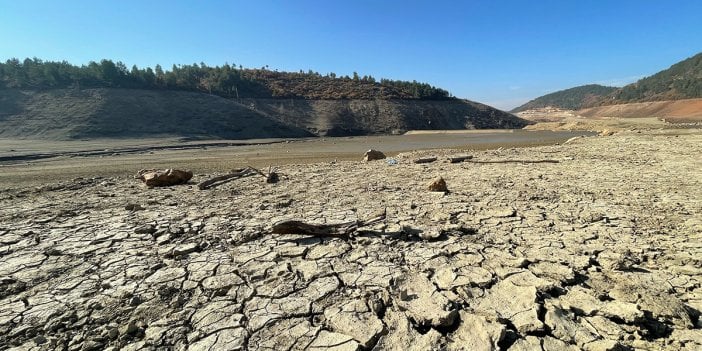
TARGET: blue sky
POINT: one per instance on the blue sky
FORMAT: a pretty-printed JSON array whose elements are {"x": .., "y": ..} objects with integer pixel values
[{"x": 499, "y": 52}]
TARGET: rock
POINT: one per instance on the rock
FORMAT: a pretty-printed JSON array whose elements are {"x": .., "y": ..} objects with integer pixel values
[
  {"x": 476, "y": 333},
  {"x": 272, "y": 178},
  {"x": 133, "y": 207},
  {"x": 166, "y": 177},
  {"x": 182, "y": 250},
  {"x": 113, "y": 333},
  {"x": 145, "y": 229},
  {"x": 130, "y": 328},
  {"x": 438, "y": 185},
  {"x": 423, "y": 303},
  {"x": 430, "y": 234},
  {"x": 372, "y": 155},
  {"x": 135, "y": 301},
  {"x": 39, "y": 339}
]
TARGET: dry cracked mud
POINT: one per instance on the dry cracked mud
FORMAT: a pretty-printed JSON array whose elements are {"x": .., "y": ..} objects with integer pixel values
[{"x": 601, "y": 251}]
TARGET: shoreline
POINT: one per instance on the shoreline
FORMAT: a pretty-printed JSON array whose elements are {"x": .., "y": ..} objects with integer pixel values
[{"x": 110, "y": 158}]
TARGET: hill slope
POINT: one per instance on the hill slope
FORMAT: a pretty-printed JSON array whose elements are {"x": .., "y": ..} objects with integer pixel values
[
  {"x": 106, "y": 113},
  {"x": 569, "y": 99},
  {"x": 132, "y": 113},
  {"x": 682, "y": 80},
  {"x": 674, "y": 111}
]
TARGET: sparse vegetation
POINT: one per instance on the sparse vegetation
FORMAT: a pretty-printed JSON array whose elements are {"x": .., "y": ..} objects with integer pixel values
[
  {"x": 570, "y": 99},
  {"x": 682, "y": 80},
  {"x": 226, "y": 81}
]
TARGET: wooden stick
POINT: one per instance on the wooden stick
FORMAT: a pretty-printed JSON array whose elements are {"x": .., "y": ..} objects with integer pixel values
[
  {"x": 518, "y": 161},
  {"x": 425, "y": 160},
  {"x": 217, "y": 181},
  {"x": 459, "y": 159},
  {"x": 338, "y": 230}
]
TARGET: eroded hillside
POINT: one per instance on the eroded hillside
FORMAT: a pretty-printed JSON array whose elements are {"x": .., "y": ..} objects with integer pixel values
[{"x": 120, "y": 113}]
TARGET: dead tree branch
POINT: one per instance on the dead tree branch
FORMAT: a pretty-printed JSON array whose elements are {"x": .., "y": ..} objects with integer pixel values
[
  {"x": 516, "y": 161},
  {"x": 217, "y": 181},
  {"x": 337, "y": 230}
]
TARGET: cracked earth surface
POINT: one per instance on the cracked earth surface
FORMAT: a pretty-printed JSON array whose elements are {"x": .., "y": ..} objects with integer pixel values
[{"x": 601, "y": 251}]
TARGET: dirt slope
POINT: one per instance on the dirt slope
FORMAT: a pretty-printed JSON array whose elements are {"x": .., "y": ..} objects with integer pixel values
[
  {"x": 130, "y": 113},
  {"x": 688, "y": 110},
  {"x": 359, "y": 117},
  {"x": 96, "y": 113}
]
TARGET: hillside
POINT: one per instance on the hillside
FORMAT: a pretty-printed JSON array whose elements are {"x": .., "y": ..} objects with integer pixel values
[
  {"x": 682, "y": 80},
  {"x": 63, "y": 114},
  {"x": 568, "y": 99},
  {"x": 675, "y": 111}
]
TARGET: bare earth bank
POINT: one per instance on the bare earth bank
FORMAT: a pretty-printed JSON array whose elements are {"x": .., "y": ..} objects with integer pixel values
[{"x": 602, "y": 250}]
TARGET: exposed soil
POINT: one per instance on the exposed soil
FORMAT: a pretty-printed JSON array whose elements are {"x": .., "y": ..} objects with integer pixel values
[
  {"x": 73, "y": 114},
  {"x": 598, "y": 249},
  {"x": 677, "y": 111}
]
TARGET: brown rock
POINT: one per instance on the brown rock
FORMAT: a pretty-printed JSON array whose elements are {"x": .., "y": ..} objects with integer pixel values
[
  {"x": 439, "y": 185},
  {"x": 165, "y": 177},
  {"x": 372, "y": 155}
]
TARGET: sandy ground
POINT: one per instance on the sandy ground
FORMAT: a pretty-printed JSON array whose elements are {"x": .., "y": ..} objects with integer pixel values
[
  {"x": 36, "y": 162},
  {"x": 600, "y": 249}
]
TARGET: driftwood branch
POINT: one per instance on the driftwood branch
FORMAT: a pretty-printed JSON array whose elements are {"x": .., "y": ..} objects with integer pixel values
[
  {"x": 425, "y": 160},
  {"x": 217, "y": 181},
  {"x": 517, "y": 161},
  {"x": 459, "y": 159},
  {"x": 271, "y": 176},
  {"x": 339, "y": 230}
]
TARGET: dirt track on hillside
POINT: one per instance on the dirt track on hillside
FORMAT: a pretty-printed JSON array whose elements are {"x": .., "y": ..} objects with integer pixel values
[{"x": 599, "y": 250}]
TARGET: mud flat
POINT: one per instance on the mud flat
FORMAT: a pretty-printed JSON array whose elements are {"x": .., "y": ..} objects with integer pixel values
[
  {"x": 601, "y": 250},
  {"x": 35, "y": 161}
]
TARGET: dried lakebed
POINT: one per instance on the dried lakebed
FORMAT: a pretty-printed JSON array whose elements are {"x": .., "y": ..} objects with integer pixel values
[{"x": 600, "y": 251}]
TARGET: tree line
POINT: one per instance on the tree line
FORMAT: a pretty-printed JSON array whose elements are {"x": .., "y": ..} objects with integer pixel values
[{"x": 226, "y": 80}]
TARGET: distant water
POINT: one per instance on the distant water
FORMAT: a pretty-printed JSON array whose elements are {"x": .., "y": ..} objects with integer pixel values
[{"x": 478, "y": 139}]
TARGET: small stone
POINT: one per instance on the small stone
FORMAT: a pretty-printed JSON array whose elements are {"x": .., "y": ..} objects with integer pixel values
[
  {"x": 185, "y": 249},
  {"x": 133, "y": 207},
  {"x": 135, "y": 301},
  {"x": 438, "y": 185},
  {"x": 430, "y": 234},
  {"x": 130, "y": 328},
  {"x": 372, "y": 155},
  {"x": 145, "y": 229},
  {"x": 39, "y": 339},
  {"x": 113, "y": 333}
]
